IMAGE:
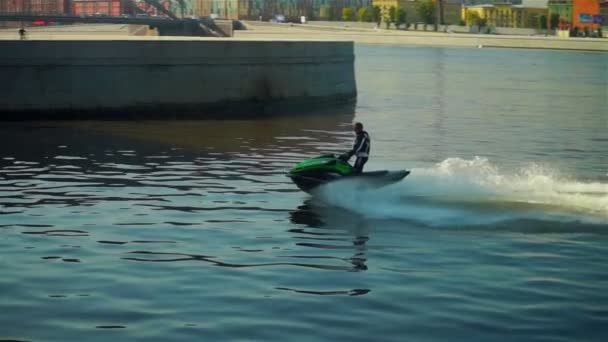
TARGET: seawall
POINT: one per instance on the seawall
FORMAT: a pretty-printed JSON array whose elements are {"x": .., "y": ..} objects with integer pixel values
[{"x": 173, "y": 78}]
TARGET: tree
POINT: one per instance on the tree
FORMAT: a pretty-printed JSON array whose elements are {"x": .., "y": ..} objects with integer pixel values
[
  {"x": 347, "y": 14},
  {"x": 325, "y": 12},
  {"x": 426, "y": 11},
  {"x": 554, "y": 21},
  {"x": 542, "y": 22},
  {"x": 369, "y": 15},
  {"x": 392, "y": 14},
  {"x": 362, "y": 14},
  {"x": 400, "y": 17},
  {"x": 302, "y": 7},
  {"x": 387, "y": 20},
  {"x": 377, "y": 15}
]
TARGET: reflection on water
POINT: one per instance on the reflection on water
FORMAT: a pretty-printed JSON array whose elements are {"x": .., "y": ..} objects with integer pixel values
[{"x": 327, "y": 232}]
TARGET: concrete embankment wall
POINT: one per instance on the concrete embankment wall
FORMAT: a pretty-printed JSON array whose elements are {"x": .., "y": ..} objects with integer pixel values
[{"x": 171, "y": 78}]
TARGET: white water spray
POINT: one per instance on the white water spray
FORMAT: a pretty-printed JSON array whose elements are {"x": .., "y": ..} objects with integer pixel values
[{"x": 460, "y": 192}]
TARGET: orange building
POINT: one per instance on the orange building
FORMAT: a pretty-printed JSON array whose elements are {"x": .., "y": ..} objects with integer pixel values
[{"x": 583, "y": 12}]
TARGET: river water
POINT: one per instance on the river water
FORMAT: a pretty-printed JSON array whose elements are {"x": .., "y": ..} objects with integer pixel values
[{"x": 189, "y": 230}]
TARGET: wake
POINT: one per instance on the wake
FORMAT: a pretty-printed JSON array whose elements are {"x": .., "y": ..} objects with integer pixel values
[{"x": 464, "y": 192}]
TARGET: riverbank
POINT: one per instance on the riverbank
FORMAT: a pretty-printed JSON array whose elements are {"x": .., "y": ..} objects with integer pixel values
[{"x": 362, "y": 35}]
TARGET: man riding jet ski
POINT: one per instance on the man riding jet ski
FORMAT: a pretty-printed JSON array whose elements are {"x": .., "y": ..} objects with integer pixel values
[
  {"x": 311, "y": 173},
  {"x": 360, "y": 149}
]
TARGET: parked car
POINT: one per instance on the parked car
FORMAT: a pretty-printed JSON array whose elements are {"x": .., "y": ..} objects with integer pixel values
[
  {"x": 293, "y": 19},
  {"x": 278, "y": 18}
]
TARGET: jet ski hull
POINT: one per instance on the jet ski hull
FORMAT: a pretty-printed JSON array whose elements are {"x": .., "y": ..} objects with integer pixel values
[
  {"x": 375, "y": 179},
  {"x": 311, "y": 173}
]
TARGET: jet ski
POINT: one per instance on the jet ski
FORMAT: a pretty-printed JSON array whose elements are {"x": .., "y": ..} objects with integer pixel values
[{"x": 311, "y": 173}]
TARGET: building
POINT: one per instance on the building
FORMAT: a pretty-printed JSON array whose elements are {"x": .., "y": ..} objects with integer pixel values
[
  {"x": 451, "y": 9},
  {"x": 532, "y": 17},
  {"x": 151, "y": 10},
  {"x": 604, "y": 15},
  {"x": 505, "y": 14},
  {"x": 32, "y": 7},
  {"x": 498, "y": 14},
  {"x": 182, "y": 8},
  {"x": 202, "y": 8},
  {"x": 534, "y": 3},
  {"x": 581, "y": 14},
  {"x": 604, "y": 9},
  {"x": 266, "y": 9},
  {"x": 96, "y": 7},
  {"x": 490, "y": 2}
]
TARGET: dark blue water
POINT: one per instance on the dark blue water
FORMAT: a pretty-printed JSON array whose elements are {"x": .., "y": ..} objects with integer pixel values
[{"x": 190, "y": 230}]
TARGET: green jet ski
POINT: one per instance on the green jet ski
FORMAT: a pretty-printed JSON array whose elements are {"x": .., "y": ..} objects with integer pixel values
[{"x": 311, "y": 173}]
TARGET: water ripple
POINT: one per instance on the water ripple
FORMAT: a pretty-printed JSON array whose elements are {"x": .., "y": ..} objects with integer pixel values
[
  {"x": 179, "y": 257},
  {"x": 353, "y": 292},
  {"x": 175, "y": 230}
]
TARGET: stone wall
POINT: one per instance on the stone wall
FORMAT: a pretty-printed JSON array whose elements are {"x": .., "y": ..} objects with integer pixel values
[{"x": 152, "y": 77}]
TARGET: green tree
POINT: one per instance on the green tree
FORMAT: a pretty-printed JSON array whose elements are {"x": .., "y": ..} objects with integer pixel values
[
  {"x": 400, "y": 17},
  {"x": 392, "y": 14},
  {"x": 542, "y": 22},
  {"x": 347, "y": 14},
  {"x": 362, "y": 14},
  {"x": 554, "y": 21},
  {"x": 369, "y": 15},
  {"x": 377, "y": 15},
  {"x": 426, "y": 11}
]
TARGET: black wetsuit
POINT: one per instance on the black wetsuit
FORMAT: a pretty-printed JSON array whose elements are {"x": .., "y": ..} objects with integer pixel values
[{"x": 361, "y": 149}]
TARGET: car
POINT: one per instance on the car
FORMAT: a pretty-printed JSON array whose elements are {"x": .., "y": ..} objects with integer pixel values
[
  {"x": 293, "y": 19},
  {"x": 279, "y": 18}
]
